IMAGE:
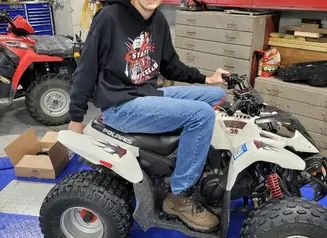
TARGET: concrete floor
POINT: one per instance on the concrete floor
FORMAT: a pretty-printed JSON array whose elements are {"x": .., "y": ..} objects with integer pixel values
[{"x": 14, "y": 120}]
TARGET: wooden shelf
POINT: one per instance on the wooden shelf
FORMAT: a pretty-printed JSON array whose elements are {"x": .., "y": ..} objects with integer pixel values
[{"x": 305, "y": 29}]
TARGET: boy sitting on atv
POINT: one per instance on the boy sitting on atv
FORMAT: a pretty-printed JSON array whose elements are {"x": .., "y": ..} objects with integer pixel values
[{"x": 128, "y": 44}]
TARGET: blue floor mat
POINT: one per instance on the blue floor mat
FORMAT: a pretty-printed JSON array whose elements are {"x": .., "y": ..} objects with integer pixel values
[
  {"x": 6, "y": 176},
  {"x": 5, "y": 163},
  {"x": 12, "y": 226}
]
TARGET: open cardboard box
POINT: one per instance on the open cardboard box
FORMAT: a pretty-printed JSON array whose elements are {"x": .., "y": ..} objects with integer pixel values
[{"x": 32, "y": 157}]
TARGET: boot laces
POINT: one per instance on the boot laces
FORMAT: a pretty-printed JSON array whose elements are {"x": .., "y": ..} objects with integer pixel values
[{"x": 197, "y": 206}]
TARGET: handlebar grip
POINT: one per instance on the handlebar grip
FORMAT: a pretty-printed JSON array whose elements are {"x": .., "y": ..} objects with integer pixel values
[
  {"x": 225, "y": 76},
  {"x": 231, "y": 111}
]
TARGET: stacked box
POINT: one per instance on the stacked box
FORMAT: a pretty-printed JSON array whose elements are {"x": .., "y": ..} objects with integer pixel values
[
  {"x": 210, "y": 39},
  {"x": 308, "y": 104}
]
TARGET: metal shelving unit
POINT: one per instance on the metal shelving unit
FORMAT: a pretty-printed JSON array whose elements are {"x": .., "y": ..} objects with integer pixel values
[{"x": 37, "y": 13}]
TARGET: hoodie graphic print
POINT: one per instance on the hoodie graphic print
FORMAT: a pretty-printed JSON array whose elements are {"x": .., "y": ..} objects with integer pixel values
[
  {"x": 140, "y": 67},
  {"x": 122, "y": 57}
]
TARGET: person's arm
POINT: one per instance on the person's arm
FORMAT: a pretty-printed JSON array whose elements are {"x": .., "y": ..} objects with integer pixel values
[
  {"x": 86, "y": 74},
  {"x": 172, "y": 68}
]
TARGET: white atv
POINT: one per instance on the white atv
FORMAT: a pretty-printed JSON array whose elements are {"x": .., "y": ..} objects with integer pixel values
[{"x": 259, "y": 153}]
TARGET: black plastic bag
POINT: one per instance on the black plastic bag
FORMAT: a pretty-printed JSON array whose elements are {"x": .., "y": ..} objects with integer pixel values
[{"x": 312, "y": 73}]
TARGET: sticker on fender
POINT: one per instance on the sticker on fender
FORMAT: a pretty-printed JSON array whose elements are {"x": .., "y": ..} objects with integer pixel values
[{"x": 239, "y": 151}]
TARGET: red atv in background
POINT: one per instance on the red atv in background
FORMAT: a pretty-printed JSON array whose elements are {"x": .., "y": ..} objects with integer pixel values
[{"x": 38, "y": 67}]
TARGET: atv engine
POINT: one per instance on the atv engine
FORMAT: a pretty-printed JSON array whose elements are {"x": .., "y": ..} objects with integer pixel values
[{"x": 214, "y": 179}]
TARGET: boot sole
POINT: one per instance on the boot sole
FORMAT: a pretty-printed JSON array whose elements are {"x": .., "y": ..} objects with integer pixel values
[{"x": 190, "y": 224}]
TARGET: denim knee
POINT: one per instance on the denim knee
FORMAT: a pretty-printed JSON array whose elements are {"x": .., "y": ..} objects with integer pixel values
[
  {"x": 216, "y": 94},
  {"x": 219, "y": 93},
  {"x": 206, "y": 113}
]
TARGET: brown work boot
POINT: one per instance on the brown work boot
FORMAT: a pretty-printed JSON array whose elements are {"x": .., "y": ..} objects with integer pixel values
[{"x": 193, "y": 214}]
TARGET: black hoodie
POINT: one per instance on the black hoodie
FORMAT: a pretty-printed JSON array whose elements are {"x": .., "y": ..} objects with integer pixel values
[{"x": 121, "y": 59}]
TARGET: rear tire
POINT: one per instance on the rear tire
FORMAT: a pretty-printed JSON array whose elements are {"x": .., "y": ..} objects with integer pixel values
[
  {"x": 47, "y": 99},
  {"x": 287, "y": 217},
  {"x": 107, "y": 197}
]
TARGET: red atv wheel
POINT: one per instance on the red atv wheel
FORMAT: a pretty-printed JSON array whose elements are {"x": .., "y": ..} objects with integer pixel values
[{"x": 47, "y": 99}]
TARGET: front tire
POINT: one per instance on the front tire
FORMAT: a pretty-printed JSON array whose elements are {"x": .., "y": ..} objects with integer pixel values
[
  {"x": 106, "y": 198},
  {"x": 47, "y": 99},
  {"x": 287, "y": 217}
]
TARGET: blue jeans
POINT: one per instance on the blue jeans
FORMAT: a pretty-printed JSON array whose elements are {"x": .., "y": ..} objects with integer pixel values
[{"x": 187, "y": 107}]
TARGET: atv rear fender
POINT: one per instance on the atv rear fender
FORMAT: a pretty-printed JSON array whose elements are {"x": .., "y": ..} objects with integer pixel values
[
  {"x": 256, "y": 151},
  {"x": 29, "y": 58},
  {"x": 101, "y": 152},
  {"x": 265, "y": 150}
]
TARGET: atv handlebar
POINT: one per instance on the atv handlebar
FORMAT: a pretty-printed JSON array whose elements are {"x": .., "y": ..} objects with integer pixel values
[
  {"x": 5, "y": 16},
  {"x": 246, "y": 98},
  {"x": 233, "y": 80},
  {"x": 4, "y": 13},
  {"x": 237, "y": 105}
]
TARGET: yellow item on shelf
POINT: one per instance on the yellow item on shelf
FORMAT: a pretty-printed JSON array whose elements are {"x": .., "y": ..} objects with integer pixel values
[{"x": 88, "y": 11}]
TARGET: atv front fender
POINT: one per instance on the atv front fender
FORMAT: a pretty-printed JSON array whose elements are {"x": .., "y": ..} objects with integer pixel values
[
  {"x": 249, "y": 153},
  {"x": 120, "y": 160},
  {"x": 29, "y": 58}
]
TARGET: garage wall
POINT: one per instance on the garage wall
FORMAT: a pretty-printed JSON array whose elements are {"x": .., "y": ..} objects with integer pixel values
[
  {"x": 62, "y": 14},
  {"x": 76, "y": 16},
  {"x": 67, "y": 14}
]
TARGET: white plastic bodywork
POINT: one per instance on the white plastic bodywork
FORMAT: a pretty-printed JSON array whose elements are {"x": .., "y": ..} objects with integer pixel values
[
  {"x": 87, "y": 146},
  {"x": 90, "y": 146},
  {"x": 274, "y": 152}
]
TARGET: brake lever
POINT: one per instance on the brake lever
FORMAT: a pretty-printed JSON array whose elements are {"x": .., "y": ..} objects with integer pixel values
[{"x": 230, "y": 80}]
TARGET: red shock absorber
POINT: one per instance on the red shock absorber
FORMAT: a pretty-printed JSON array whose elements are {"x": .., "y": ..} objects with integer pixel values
[{"x": 274, "y": 186}]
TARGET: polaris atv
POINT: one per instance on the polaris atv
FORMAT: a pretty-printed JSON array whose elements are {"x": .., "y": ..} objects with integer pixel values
[
  {"x": 39, "y": 68},
  {"x": 259, "y": 154}
]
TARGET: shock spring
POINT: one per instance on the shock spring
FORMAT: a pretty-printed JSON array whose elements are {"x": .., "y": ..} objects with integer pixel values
[{"x": 274, "y": 186}]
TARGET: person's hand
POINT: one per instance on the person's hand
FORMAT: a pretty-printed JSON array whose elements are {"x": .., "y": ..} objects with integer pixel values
[
  {"x": 216, "y": 78},
  {"x": 77, "y": 127}
]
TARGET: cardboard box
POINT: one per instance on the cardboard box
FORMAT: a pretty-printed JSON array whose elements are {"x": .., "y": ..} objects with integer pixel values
[{"x": 33, "y": 158}]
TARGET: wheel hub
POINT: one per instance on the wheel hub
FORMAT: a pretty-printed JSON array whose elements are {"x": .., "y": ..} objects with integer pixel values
[
  {"x": 81, "y": 222},
  {"x": 55, "y": 102},
  {"x": 88, "y": 216}
]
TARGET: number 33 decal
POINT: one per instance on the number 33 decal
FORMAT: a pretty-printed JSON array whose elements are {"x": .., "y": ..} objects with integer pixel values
[{"x": 233, "y": 131}]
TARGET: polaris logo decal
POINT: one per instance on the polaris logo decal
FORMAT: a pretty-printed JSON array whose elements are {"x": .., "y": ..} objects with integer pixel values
[
  {"x": 111, "y": 149},
  {"x": 117, "y": 136}
]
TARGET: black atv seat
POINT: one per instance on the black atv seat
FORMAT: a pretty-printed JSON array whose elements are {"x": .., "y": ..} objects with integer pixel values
[
  {"x": 54, "y": 46},
  {"x": 163, "y": 144}
]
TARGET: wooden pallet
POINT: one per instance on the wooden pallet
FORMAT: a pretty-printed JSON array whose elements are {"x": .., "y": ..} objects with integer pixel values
[
  {"x": 250, "y": 13},
  {"x": 298, "y": 38},
  {"x": 291, "y": 56},
  {"x": 298, "y": 44},
  {"x": 306, "y": 29},
  {"x": 310, "y": 28}
]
